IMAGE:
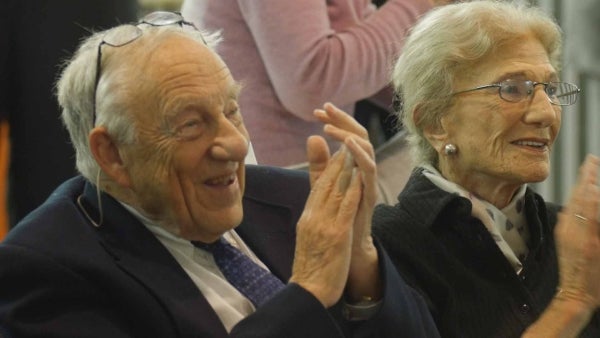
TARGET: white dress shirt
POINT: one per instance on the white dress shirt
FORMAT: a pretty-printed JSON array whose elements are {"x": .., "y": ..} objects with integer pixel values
[{"x": 229, "y": 304}]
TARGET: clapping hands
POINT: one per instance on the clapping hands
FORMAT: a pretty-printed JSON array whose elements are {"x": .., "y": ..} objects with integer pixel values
[{"x": 334, "y": 249}]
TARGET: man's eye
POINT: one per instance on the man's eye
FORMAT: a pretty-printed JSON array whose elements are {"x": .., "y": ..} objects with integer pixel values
[
  {"x": 190, "y": 128},
  {"x": 235, "y": 117}
]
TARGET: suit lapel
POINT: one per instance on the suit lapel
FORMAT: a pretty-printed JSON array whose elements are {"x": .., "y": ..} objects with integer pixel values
[
  {"x": 274, "y": 247},
  {"x": 273, "y": 202},
  {"x": 139, "y": 254}
]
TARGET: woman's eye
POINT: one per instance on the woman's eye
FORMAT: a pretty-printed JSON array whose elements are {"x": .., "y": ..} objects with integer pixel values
[
  {"x": 551, "y": 89},
  {"x": 512, "y": 89}
]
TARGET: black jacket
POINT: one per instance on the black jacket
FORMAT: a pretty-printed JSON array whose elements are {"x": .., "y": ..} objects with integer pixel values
[{"x": 452, "y": 260}]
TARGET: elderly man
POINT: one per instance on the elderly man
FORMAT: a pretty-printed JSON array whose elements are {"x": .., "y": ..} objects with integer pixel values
[{"x": 152, "y": 240}]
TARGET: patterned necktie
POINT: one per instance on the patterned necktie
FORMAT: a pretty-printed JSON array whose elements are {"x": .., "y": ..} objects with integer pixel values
[{"x": 254, "y": 282}]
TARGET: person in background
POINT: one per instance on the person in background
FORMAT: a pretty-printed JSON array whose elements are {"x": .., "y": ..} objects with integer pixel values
[
  {"x": 34, "y": 40},
  {"x": 167, "y": 233},
  {"x": 482, "y": 102},
  {"x": 293, "y": 56}
]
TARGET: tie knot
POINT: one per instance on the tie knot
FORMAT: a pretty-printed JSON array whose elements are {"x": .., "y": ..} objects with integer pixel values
[{"x": 211, "y": 247}]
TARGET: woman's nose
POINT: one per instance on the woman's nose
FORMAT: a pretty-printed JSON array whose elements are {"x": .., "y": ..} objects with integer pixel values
[{"x": 541, "y": 111}]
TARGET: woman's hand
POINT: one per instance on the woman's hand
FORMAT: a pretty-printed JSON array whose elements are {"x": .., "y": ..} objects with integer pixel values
[
  {"x": 578, "y": 240},
  {"x": 577, "y": 236}
]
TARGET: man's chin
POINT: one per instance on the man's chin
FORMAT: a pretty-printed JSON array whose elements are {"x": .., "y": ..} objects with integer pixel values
[{"x": 211, "y": 227}]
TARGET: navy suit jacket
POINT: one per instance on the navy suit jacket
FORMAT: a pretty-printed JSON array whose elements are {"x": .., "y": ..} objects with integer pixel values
[{"x": 62, "y": 277}]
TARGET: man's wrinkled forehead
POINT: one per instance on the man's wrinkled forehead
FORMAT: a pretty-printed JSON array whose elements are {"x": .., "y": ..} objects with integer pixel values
[
  {"x": 178, "y": 71},
  {"x": 170, "y": 52}
]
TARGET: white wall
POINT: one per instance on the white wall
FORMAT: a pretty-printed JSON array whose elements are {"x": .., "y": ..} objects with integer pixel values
[{"x": 580, "y": 133}]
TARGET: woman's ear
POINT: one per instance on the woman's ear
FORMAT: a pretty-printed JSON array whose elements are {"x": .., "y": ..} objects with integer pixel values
[
  {"x": 108, "y": 157},
  {"x": 435, "y": 133}
]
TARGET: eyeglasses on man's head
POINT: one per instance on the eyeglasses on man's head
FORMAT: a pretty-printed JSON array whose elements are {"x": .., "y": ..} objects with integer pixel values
[{"x": 123, "y": 35}]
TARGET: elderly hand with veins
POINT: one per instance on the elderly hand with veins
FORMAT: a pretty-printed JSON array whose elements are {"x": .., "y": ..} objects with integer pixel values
[
  {"x": 363, "y": 278},
  {"x": 578, "y": 248}
]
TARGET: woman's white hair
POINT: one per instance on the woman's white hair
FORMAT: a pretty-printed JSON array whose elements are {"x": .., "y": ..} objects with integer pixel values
[
  {"x": 444, "y": 44},
  {"x": 75, "y": 88}
]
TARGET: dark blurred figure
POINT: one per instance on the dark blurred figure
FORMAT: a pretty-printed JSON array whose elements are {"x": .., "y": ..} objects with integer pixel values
[
  {"x": 35, "y": 38},
  {"x": 378, "y": 3},
  {"x": 365, "y": 109}
]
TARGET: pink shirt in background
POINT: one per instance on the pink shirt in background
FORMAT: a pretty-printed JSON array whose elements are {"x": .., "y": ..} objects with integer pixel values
[{"x": 294, "y": 55}]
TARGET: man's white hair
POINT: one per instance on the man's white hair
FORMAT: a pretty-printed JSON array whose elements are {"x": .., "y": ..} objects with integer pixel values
[{"x": 75, "y": 88}]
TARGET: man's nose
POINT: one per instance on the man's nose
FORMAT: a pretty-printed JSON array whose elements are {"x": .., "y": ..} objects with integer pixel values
[{"x": 231, "y": 143}]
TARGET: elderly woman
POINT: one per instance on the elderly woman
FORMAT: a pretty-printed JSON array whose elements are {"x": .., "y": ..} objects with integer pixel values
[{"x": 482, "y": 102}]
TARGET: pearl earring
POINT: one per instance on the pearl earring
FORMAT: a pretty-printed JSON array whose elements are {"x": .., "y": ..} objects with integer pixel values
[{"x": 450, "y": 149}]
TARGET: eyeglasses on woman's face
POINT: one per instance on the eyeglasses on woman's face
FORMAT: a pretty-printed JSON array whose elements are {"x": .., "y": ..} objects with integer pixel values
[{"x": 558, "y": 93}]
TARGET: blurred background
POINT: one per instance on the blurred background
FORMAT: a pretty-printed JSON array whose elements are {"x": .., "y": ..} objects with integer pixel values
[
  {"x": 155, "y": 5},
  {"x": 580, "y": 21},
  {"x": 36, "y": 36}
]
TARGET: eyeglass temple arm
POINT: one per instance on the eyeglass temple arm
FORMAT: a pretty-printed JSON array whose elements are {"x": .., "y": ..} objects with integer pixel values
[
  {"x": 477, "y": 88},
  {"x": 570, "y": 93}
]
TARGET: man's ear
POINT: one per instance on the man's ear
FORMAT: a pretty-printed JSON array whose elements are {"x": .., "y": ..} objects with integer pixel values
[
  {"x": 107, "y": 156},
  {"x": 435, "y": 133}
]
